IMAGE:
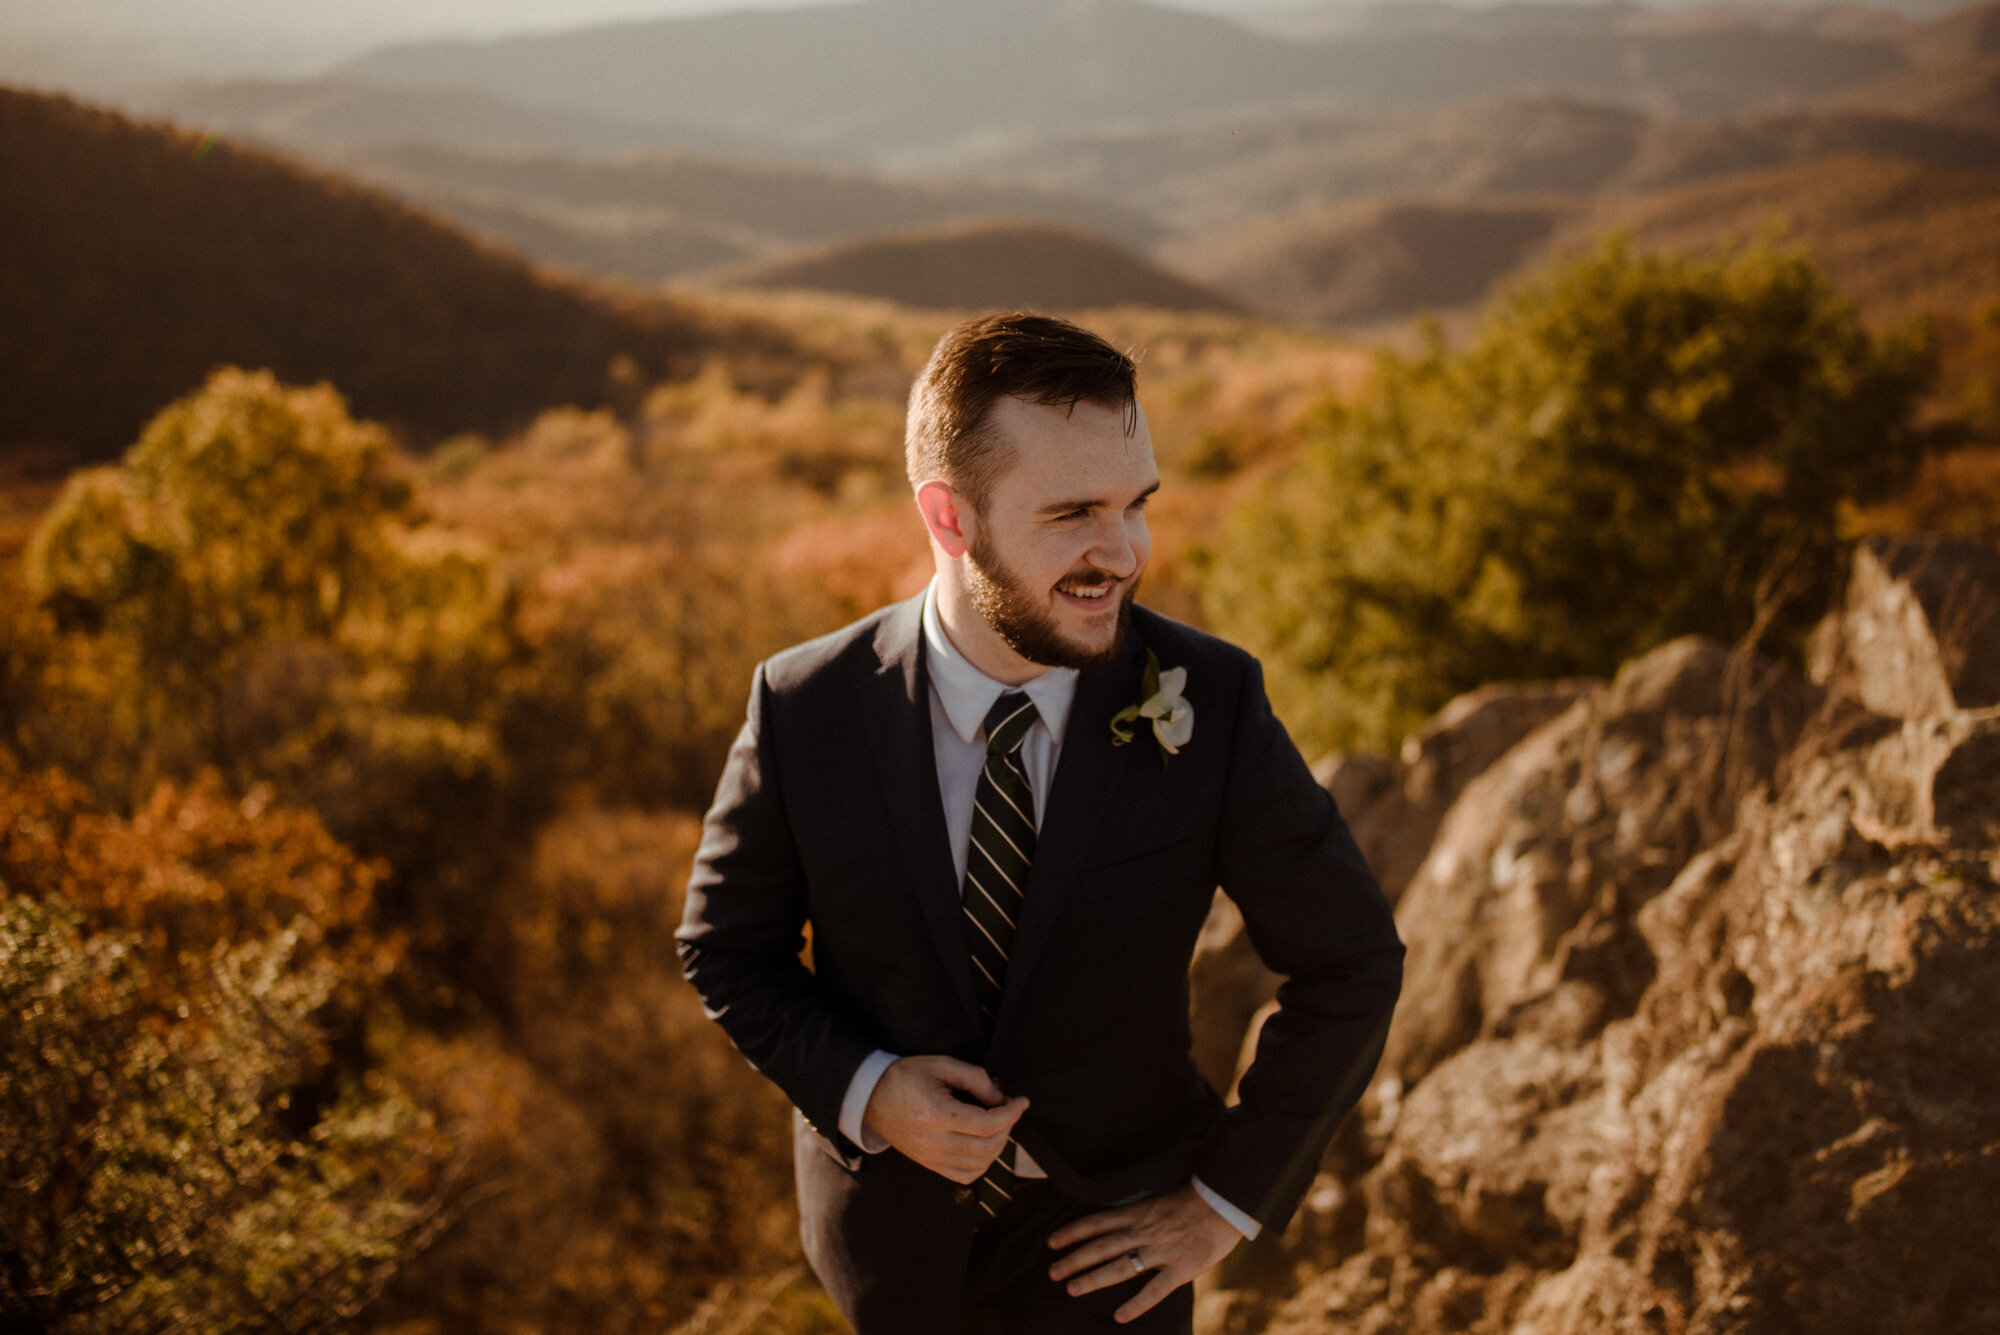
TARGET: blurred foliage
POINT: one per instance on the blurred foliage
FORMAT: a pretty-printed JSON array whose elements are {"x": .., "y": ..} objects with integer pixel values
[
  {"x": 1957, "y": 491},
  {"x": 253, "y": 589},
  {"x": 181, "y": 1147},
  {"x": 639, "y": 1159},
  {"x": 195, "y": 869},
  {"x": 1630, "y": 448}
]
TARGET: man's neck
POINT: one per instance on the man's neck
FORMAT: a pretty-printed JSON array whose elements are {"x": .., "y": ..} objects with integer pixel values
[{"x": 973, "y": 637}]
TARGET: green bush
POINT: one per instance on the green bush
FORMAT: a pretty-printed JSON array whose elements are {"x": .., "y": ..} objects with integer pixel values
[{"x": 1630, "y": 448}]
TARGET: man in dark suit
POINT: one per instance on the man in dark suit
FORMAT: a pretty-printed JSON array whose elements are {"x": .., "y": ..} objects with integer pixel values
[{"x": 1002, "y": 807}]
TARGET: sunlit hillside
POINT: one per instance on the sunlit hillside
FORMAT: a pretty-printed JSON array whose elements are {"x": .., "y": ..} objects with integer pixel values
[{"x": 1898, "y": 235}]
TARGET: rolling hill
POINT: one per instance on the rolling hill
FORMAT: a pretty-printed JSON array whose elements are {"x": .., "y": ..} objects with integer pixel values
[
  {"x": 985, "y": 265},
  {"x": 1200, "y": 179},
  {"x": 903, "y": 79},
  {"x": 1197, "y": 179},
  {"x": 1898, "y": 236},
  {"x": 133, "y": 258},
  {"x": 1366, "y": 262},
  {"x": 1954, "y": 75},
  {"x": 1230, "y": 193},
  {"x": 649, "y": 217},
  {"x": 1681, "y": 152},
  {"x": 1965, "y": 93}
]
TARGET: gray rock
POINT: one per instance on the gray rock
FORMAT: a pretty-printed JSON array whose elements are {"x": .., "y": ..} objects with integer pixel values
[{"x": 1920, "y": 632}]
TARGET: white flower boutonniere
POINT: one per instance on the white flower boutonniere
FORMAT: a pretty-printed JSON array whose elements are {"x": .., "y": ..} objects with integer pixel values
[{"x": 1163, "y": 703}]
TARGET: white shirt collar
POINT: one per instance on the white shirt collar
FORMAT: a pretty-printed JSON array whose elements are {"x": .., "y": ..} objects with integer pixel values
[{"x": 968, "y": 694}]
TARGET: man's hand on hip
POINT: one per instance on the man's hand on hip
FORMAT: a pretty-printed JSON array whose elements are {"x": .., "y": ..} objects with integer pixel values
[
  {"x": 916, "y": 1108},
  {"x": 1176, "y": 1236}
]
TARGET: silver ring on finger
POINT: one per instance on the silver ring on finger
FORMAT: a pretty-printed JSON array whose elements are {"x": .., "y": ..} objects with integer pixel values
[{"x": 1138, "y": 1266}]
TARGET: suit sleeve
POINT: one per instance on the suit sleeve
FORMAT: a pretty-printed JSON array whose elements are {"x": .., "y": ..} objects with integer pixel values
[
  {"x": 1316, "y": 916},
  {"x": 743, "y": 929}
]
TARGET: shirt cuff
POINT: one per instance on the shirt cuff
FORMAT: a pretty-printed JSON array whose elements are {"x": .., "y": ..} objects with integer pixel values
[
  {"x": 1239, "y": 1221},
  {"x": 855, "y": 1105}
]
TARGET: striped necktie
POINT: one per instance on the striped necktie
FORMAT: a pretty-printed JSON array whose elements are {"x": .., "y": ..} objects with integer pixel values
[{"x": 996, "y": 873}]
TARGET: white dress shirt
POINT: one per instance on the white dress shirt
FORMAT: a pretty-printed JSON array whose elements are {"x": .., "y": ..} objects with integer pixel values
[{"x": 960, "y": 698}]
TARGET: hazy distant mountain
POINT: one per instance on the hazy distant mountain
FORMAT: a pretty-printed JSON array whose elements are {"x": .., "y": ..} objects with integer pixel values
[
  {"x": 1333, "y": 220},
  {"x": 613, "y": 245},
  {"x": 1341, "y": 18},
  {"x": 879, "y": 75},
  {"x": 983, "y": 266},
  {"x": 648, "y": 217},
  {"x": 910, "y": 77},
  {"x": 109, "y": 48},
  {"x": 322, "y": 115},
  {"x": 1197, "y": 180}
]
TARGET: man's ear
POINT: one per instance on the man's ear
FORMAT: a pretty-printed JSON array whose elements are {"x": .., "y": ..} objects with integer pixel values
[{"x": 943, "y": 510}]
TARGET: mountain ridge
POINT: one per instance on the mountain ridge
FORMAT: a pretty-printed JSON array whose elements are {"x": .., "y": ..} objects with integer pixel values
[
  {"x": 919, "y": 71},
  {"x": 895, "y": 80}
]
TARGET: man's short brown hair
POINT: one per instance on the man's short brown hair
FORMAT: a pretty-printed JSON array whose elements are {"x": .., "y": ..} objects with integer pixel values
[{"x": 976, "y": 364}]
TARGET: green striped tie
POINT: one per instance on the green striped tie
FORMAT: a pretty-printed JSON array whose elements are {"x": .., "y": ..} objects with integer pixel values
[{"x": 996, "y": 872}]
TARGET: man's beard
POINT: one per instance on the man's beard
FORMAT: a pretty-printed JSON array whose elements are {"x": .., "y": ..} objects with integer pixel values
[{"x": 1025, "y": 621}]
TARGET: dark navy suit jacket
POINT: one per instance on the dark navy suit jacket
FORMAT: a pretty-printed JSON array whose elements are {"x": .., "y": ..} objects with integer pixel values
[{"x": 828, "y": 813}]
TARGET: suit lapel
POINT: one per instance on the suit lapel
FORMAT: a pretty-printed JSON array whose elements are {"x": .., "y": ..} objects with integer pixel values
[
  {"x": 898, "y": 719},
  {"x": 1087, "y": 776}
]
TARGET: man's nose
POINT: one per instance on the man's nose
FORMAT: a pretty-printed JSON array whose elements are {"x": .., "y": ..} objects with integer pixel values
[{"x": 1116, "y": 551}]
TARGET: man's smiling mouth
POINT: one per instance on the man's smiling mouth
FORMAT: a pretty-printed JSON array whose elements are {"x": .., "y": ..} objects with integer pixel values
[{"x": 1090, "y": 593}]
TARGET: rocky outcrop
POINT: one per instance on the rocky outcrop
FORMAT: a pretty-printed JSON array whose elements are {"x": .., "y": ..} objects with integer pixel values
[
  {"x": 1698, "y": 1031},
  {"x": 1393, "y": 807}
]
